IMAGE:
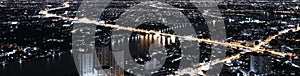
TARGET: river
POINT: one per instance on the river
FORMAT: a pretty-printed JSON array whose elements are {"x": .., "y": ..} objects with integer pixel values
[{"x": 54, "y": 66}]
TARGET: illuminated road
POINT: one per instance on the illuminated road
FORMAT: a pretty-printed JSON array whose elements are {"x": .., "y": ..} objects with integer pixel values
[
  {"x": 205, "y": 12},
  {"x": 198, "y": 69},
  {"x": 270, "y": 38},
  {"x": 293, "y": 39},
  {"x": 188, "y": 38}
]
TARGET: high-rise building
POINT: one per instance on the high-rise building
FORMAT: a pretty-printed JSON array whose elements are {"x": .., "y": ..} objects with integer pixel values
[
  {"x": 86, "y": 63},
  {"x": 107, "y": 62},
  {"x": 152, "y": 65},
  {"x": 104, "y": 56},
  {"x": 260, "y": 64}
]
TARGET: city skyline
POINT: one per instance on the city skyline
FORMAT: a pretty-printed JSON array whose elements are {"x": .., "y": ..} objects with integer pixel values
[{"x": 257, "y": 36}]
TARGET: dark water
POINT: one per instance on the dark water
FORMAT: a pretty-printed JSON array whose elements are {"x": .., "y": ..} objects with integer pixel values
[{"x": 54, "y": 66}]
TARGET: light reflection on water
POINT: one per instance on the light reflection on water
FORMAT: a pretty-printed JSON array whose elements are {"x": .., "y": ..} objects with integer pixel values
[
  {"x": 145, "y": 41},
  {"x": 52, "y": 66}
]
